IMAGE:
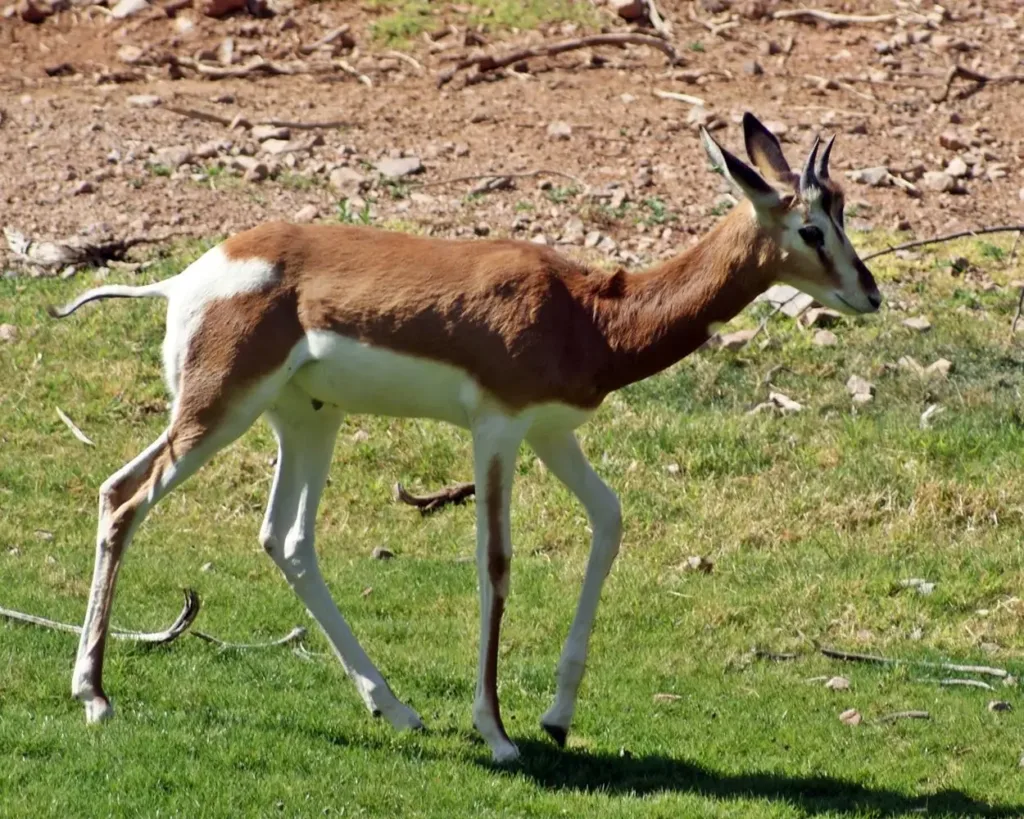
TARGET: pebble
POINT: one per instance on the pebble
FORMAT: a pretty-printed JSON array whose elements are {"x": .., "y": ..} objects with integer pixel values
[
  {"x": 307, "y": 213},
  {"x": 825, "y": 338},
  {"x": 559, "y": 130},
  {"x": 938, "y": 181},
  {"x": 396, "y": 168},
  {"x": 919, "y": 323},
  {"x": 143, "y": 101},
  {"x": 126, "y": 8},
  {"x": 8, "y": 333},
  {"x": 380, "y": 553}
]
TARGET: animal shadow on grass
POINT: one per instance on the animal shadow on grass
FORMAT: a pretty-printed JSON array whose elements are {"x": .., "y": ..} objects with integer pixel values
[{"x": 587, "y": 771}]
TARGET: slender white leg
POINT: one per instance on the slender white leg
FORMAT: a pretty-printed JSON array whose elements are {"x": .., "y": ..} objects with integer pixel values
[
  {"x": 562, "y": 455},
  {"x": 306, "y": 442},
  {"x": 496, "y": 441}
]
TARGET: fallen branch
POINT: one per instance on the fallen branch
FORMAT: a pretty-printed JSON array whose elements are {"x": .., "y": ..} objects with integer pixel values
[
  {"x": 258, "y": 65},
  {"x": 949, "y": 237},
  {"x": 871, "y": 658},
  {"x": 501, "y": 175},
  {"x": 815, "y": 15},
  {"x": 716, "y": 29},
  {"x": 904, "y": 715},
  {"x": 678, "y": 97},
  {"x": 205, "y": 116},
  {"x": 435, "y": 500},
  {"x": 345, "y": 66},
  {"x": 657, "y": 20},
  {"x": 329, "y": 39},
  {"x": 81, "y": 436},
  {"x": 75, "y": 250},
  {"x": 487, "y": 62},
  {"x": 296, "y": 635},
  {"x": 954, "y": 681},
  {"x": 775, "y": 657},
  {"x": 175, "y": 630},
  {"x": 980, "y": 80},
  {"x": 398, "y": 55}
]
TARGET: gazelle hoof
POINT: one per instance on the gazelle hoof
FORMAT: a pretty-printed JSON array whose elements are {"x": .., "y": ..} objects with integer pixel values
[
  {"x": 556, "y": 732},
  {"x": 98, "y": 709}
]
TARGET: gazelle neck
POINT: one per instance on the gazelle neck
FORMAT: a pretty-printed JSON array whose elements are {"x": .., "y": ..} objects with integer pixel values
[{"x": 655, "y": 318}]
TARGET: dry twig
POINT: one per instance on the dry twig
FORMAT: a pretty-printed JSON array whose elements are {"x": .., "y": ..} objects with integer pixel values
[
  {"x": 435, "y": 500},
  {"x": 81, "y": 436},
  {"x": 830, "y": 17},
  {"x": 398, "y": 55},
  {"x": 204, "y": 116},
  {"x": 980, "y": 80},
  {"x": 487, "y": 62},
  {"x": 955, "y": 681},
  {"x": 871, "y": 658},
  {"x": 500, "y": 175},
  {"x": 171, "y": 633},
  {"x": 330, "y": 38},
  {"x": 905, "y": 715},
  {"x": 949, "y": 237},
  {"x": 296, "y": 635},
  {"x": 678, "y": 97}
]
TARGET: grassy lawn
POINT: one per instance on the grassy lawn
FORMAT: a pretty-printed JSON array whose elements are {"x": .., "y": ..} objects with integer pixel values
[{"x": 811, "y": 519}]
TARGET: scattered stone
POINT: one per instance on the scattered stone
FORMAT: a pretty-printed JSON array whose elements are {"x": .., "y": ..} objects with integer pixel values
[
  {"x": 737, "y": 340},
  {"x": 918, "y": 584},
  {"x": 856, "y": 386},
  {"x": 130, "y": 54},
  {"x": 820, "y": 317},
  {"x": 220, "y": 8},
  {"x": 851, "y": 717},
  {"x": 264, "y": 132},
  {"x": 752, "y": 67},
  {"x": 380, "y": 553},
  {"x": 360, "y": 436},
  {"x": 257, "y": 172},
  {"x": 33, "y": 11},
  {"x": 573, "y": 232},
  {"x": 941, "y": 368},
  {"x": 938, "y": 181},
  {"x": 919, "y": 323},
  {"x": 481, "y": 229},
  {"x": 911, "y": 365},
  {"x": 307, "y": 213},
  {"x": 397, "y": 168},
  {"x": 791, "y": 301},
  {"x": 215, "y": 147},
  {"x": 630, "y": 10},
  {"x": 952, "y": 140},
  {"x": 174, "y": 157},
  {"x": 672, "y": 469},
  {"x": 825, "y": 338},
  {"x": 698, "y": 563},
  {"x": 999, "y": 705},
  {"x": 592, "y": 239},
  {"x": 957, "y": 168},
  {"x": 8, "y": 333},
  {"x": 777, "y": 401},
  {"x": 347, "y": 181},
  {"x": 206, "y": 567},
  {"x": 878, "y": 177},
  {"x": 277, "y": 147},
  {"x": 838, "y": 684},
  {"x": 126, "y": 8},
  {"x": 83, "y": 187},
  {"x": 143, "y": 101},
  {"x": 559, "y": 130}
]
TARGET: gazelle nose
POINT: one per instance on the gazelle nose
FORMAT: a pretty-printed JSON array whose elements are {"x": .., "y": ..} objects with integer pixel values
[{"x": 875, "y": 299}]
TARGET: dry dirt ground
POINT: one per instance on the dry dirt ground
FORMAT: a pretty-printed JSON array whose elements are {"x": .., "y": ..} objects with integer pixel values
[{"x": 98, "y": 150}]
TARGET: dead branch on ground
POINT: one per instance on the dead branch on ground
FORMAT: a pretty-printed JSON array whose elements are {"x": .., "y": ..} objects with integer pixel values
[
  {"x": 74, "y": 250},
  {"x": 487, "y": 62},
  {"x": 849, "y": 656},
  {"x": 904, "y": 715},
  {"x": 329, "y": 39},
  {"x": 979, "y": 80},
  {"x": 435, "y": 500},
  {"x": 830, "y": 17},
  {"x": 257, "y": 65},
  {"x": 296, "y": 635},
  {"x": 949, "y": 237},
  {"x": 205, "y": 116},
  {"x": 500, "y": 175},
  {"x": 716, "y": 29},
  {"x": 678, "y": 97},
  {"x": 81, "y": 436},
  {"x": 171, "y": 633},
  {"x": 949, "y": 682}
]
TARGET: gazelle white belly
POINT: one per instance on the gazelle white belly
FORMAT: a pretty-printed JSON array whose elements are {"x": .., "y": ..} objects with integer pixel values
[{"x": 362, "y": 379}]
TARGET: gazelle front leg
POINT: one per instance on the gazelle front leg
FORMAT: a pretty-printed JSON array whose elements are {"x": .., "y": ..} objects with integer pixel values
[
  {"x": 563, "y": 456},
  {"x": 496, "y": 441}
]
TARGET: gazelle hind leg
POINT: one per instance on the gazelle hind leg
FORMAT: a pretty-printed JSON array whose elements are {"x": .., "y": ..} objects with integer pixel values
[
  {"x": 562, "y": 455},
  {"x": 306, "y": 441},
  {"x": 496, "y": 442},
  {"x": 125, "y": 499}
]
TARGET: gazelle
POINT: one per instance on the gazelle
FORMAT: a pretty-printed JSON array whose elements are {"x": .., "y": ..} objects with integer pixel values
[{"x": 507, "y": 339}]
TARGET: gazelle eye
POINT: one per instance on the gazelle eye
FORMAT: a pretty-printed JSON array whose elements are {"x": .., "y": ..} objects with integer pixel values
[{"x": 812, "y": 235}]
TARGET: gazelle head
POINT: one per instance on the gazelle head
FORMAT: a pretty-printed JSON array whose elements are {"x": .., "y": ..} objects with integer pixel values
[{"x": 803, "y": 214}]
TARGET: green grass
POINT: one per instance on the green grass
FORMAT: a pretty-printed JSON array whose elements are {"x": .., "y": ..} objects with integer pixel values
[
  {"x": 402, "y": 20},
  {"x": 811, "y": 520}
]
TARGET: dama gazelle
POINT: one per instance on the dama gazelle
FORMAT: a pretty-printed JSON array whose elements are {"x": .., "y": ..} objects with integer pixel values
[{"x": 507, "y": 339}]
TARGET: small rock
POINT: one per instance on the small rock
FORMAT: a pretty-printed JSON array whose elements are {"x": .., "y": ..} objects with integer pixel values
[
  {"x": 838, "y": 684},
  {"x": 874, "y": 177},
  {"x": 630, "y": 10},
  {"x": 206, "y": 567},
  {"x": 592, "y": 239},
  {"x": 573, "y": 232},
  {"x": 33, "y": 11},
  {"x": 856, "y": 385},
  {"x": 264, "y": 132},
  {"x": 220, "y": 8},
  {"x": 307, "y": 213},
  {"x": 8, "y": 333},
  {"x": 698, "y": 563},
  {"x": 215, "y": 147},
  {"x": 360, "y": 436},
  {"x": 825, "y": 338},
  {"x": 737, "y": 340},
  {"x": 130, "y": 54},
  {"x": 918, "y": 584},
  {"x": 559, "y": 130},
  {"x": 126, "y": 8},
  {"x": 999, "y": 705},
  {"x": 851, "y": 717},
  {"x": 143, "y": 101},
  {"x": 257, "y": 172},
  {"x": 347, "y": 181},
  {"x": 910, "y": 364},
  {"x": 672, "y": 469},
  {"x": 174, "y": 157},
  {"x": 820, "y": 317},
  {"x": 380, "y": 553},
  {"x": 951, "y": 140},
  {"x": 83, "y": 187},
  {"x": 957, "y": 168},
  {"x": 481, "y": 229},
  {"x": 938, "y": 181},
  {"x": 752, "y": 67},
  {"x": 397, "y": 168},
  {"x": 278, "y": 147},
  {"x": 919, "y": 323},
  {"x": 941, "y": 368}
]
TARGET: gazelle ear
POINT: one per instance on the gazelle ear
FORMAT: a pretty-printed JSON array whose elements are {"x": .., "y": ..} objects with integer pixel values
[
  {"x": 765, "y": 152},
  {"x": 760, "y": 193}
]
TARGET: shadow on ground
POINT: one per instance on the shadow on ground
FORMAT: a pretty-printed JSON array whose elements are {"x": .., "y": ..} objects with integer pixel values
[{"x": 639, "y": 776}]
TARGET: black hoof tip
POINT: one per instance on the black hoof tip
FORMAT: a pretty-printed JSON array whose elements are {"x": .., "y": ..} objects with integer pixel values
[
  {"x": 376, "y": 713},
  {"x": 556, "y": 732}
]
